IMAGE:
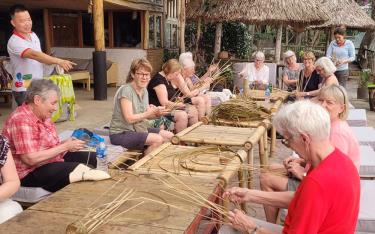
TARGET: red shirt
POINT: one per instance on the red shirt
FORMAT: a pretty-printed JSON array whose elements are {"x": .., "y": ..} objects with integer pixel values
[
  {"x": 27, "y": 134},
  {"x": 327, "y": 200}
]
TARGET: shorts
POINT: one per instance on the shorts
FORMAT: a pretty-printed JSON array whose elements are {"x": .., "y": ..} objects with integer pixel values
[{"x": 132, "y": 140}]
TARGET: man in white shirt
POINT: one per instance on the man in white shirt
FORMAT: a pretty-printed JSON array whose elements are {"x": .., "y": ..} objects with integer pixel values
[{"x": 26, "y": 56}]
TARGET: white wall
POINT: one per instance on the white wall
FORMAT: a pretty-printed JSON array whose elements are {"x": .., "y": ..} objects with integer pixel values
[{"x": 123, "y": 57}]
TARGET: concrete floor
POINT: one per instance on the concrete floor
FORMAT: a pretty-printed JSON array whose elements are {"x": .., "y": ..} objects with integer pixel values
[{"x": 91, "y": 114}]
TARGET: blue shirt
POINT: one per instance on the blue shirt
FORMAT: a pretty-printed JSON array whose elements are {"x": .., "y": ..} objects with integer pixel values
[{"x": 345, "y": 52}]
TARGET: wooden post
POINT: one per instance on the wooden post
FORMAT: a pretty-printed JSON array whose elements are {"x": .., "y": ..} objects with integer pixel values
[
  {"x": 218, "y": 35},
  {"x": 99, "y": 55},
  {"x": 47, "y": 31},
  {"x": 146, "y": 30},
  {"x": 98, "y": 15},
  {"x": 279, "y": 37},
  {"x": 182, "y": 25}
]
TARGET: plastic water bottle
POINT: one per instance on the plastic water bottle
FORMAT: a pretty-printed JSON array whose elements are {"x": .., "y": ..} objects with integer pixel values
[
  {"x": 267, "y": 95},
  {"x": 101, "y": 157},
  {"x": 270, "y": 87}
]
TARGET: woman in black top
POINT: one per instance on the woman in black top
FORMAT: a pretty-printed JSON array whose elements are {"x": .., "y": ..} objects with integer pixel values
[
  {"x": 163, "y": 91},
  {"x": 309, "y": 79}
]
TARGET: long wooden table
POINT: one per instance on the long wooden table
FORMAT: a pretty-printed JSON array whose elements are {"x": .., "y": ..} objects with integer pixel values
[
  {"x": 272, "y": 107},
  {"x": 70, "y": 204},
  {"x": 200, "y": 162}
]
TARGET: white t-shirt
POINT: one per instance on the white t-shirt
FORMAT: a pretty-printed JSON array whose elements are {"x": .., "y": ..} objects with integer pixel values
[
  {"x": 23, "y": 69},
  {"x": 262, "y": 75}
]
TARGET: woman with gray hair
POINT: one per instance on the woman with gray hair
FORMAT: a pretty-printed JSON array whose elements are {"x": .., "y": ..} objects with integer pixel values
[
  {"x": 41, "y": 159},
  {"x": 291, "y": 71},
  {"x": 326, "y": 69},
  {"x": 320, "y": 205},
  {"x": 257, "y": 73}
]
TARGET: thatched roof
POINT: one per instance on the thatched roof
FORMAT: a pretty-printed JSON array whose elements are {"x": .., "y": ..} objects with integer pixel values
[
  {"x": 287, "y": 12},
  {"x": 347, "y": 13}
]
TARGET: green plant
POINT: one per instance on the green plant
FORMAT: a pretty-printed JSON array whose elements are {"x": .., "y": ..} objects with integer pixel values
[{"x": 364, "y": 78}]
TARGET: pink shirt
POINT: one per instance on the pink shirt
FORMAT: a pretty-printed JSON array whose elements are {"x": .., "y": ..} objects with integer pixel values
[{"x": 342, "y": 137}]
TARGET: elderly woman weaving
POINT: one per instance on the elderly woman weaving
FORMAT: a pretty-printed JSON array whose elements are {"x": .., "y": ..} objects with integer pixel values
[
  {"x": 42, "y": 160},
  {"x": 163, "y": 91},
  {"x": 129, "y": 124},
  {"x": 335, "y": 100},
  {"x": 9, "y": 182},
  {"x": 257, "y": 73},
  {"x": 200, "y": 100},
  {"x": 320, "y": 205}
]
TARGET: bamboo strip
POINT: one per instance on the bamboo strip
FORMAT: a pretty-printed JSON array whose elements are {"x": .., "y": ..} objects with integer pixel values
[
  {"x": 149, "y": 156},
  {"x": 176, "y": 138}
]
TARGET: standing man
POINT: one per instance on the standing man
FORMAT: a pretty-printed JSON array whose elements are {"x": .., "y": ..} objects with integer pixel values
[
  {"x": 342, "y": 52},
  {"x": 26, "y": 56}
]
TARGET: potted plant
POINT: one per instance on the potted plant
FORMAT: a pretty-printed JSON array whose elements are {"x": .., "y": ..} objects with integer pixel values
[{"x": 364, "y": 78}]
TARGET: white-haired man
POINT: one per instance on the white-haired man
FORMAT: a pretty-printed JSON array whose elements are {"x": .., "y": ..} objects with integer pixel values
[{"x": 327, "y": 200}]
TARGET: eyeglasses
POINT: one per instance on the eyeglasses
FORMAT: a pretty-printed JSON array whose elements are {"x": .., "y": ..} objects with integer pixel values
[
  {"x": 143, "y": 74},
  {"x": 285, "y": 142}
]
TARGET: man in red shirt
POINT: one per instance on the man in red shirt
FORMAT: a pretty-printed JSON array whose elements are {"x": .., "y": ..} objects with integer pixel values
[{"x": 327, "y": 200}]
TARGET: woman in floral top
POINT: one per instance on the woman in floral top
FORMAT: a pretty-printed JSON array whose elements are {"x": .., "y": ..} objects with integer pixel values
[{"x": 9, "y": 182}]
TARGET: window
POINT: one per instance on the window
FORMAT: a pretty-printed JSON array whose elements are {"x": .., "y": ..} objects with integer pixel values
[
  {"x": 65, "y": 29},
  {"x": 171, "y": 24},
  {"x": 154, "y": 32},
  {"x": 88, "y": 30},
  {"x": 127, "y": 29}
]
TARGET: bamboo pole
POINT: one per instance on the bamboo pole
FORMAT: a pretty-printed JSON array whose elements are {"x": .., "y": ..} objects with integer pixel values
[
  {"x": 279, "y": 37},
  {"x": 177, "y": 138},
  {"x": 250, "y": 172},
  {"x": 149, "y": 156},
  {"x": 218, "y": 35},
  {"x": 98, "y": 15}
]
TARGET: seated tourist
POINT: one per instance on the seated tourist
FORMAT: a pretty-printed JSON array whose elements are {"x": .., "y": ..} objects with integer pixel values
[
  {"x": 309, "y": 79},
  {"x": 9, "y": 183},
  {"x": 201, "y": 100},
  {"x": 321, "y": 203},
  {"x": 42, "y": 160},
  {"x": 257, "y": 73},
  {"x": 129, "y": 125},
  {"x": 163, "y": 91},
  {"x": 326, "y": 69},
  {"x": 335, "y": 100},
  {"x": 291, "y": 71}
]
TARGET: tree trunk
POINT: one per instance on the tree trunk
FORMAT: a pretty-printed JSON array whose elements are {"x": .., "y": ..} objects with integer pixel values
[
  {"x": 279, "y": 37},
  {"x": 373, "y": 9},
  {"x": 199, "y": 26},
  {"x": 218, "y": 34},
  {"x": 182, "y": 25}
]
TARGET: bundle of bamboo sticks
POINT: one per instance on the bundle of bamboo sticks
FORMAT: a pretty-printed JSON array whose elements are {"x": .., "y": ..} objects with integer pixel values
[{"x": 241, "y": 109}]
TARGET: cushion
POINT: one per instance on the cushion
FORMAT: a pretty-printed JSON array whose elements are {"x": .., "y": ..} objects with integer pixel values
[
  {"x": 30, "y": 194},
  {"x": 367, "y": 167},
  {"x": 365, "y": 135},
  {"x": 357, "y": 118},
  {"x": 366, "y": 218}
]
